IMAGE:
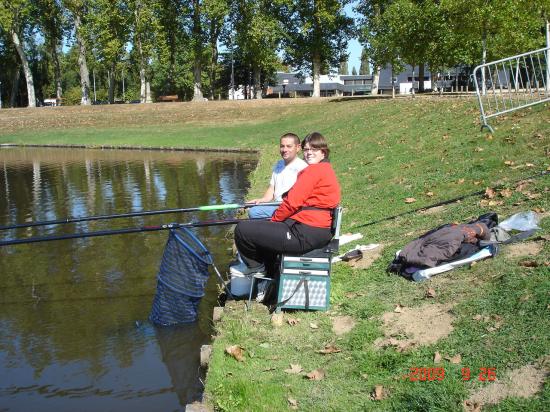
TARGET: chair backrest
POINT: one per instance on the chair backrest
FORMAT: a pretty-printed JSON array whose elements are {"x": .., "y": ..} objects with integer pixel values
[{"x": 336, "y": 221}]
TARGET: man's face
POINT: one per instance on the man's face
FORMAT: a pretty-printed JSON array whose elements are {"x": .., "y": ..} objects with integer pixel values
[{"x": 288, "y": 149}]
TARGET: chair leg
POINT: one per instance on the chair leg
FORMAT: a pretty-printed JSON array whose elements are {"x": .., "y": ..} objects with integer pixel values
[{"x": 252, "y": 279}]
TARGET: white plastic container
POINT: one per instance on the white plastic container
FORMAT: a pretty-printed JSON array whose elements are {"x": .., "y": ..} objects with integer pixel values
[{"x": 240, "y": 284}]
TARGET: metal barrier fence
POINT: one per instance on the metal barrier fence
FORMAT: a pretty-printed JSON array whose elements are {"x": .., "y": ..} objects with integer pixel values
[{"x": 516, "y": 82}]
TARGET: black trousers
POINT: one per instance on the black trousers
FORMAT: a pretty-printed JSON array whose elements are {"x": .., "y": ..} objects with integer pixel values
[{"x": 260, "y": 241}]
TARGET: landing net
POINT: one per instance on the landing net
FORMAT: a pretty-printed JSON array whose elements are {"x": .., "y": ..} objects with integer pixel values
[{"x": 181, "y": 279}]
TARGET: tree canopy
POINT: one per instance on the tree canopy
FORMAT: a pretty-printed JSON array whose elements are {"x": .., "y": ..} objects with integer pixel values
[{"x": 82, "y": 51}]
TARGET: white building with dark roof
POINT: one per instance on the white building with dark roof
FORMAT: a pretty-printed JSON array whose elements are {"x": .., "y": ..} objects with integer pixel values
[{"x": 293, "y": 85}]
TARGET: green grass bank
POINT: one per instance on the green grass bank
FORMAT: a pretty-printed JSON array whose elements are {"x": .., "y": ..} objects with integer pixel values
[{"x": 495, "y": 314}]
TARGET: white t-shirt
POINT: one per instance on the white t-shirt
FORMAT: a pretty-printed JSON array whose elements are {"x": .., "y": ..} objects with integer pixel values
[{"x": 284, "y": 176}]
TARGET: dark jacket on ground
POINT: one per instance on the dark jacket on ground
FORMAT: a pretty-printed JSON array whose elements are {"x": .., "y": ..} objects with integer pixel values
[{"x": 442, "y": 244}]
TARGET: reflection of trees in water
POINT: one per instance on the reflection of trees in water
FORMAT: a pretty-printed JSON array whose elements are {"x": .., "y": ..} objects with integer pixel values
[
  {"x": 77, "y": 300},
  {"x": 178, "y": 345}
]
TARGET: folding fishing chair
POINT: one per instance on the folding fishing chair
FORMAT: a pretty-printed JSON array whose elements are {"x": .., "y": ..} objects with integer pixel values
[{"x": 304, "y": 281}]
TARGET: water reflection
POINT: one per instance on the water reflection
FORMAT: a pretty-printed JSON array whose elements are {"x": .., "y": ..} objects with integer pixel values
[{"x": 68, "y": 309}]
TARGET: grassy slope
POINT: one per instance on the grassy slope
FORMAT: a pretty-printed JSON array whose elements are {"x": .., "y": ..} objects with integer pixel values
[{"x": 383, "y": 152}]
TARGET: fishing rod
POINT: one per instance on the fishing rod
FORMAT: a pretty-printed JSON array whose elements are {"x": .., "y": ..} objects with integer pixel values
[
  {"x": 123, "y": 231},
  {"x": 446, "y": 202},
  {"x": 135, "y": 214}
]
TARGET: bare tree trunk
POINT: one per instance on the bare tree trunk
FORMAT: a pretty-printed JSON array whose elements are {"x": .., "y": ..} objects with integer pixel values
[
  {"x": 316, "y": 75},
  {"x": 56, "y": 70},
  {"x": 26, "y": 68},
  {"x": 84, "y": 73},
  {"x": 112, "y": 83},
  {"x": 392, "y": 83},
  {"x": 143, "y": 88},
  {"x": 421, "y": 70},
  {"x": 144, "y": 92},
  {"x": 257, "y": 83},
  {"x": 412, "y": 88},
  {"x": 148, "y": 99},
  {"x": 197, "y": 66},
  {"x": 214, "y": 33},
  {"x": 15, "y": 86},
  {"x": 375, "y": 79}
]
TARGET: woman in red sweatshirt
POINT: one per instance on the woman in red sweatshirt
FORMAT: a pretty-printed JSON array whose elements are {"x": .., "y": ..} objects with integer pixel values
[{"x": 303, "y": 220}]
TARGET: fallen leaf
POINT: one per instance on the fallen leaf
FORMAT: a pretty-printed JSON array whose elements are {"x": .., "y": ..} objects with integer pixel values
[
  {"x": 477, "y": 317},
  {"x": 529, "y": 165},
  {"x": 509, "y": 163},
  {"x": 293, "y": 321},
  {"x": 365, "y": 376},
  {"x": 532, "y": 196},
  {"x": 430, "y": 293},
  {"x": 506, "y": 193},
  {"x": 460, "y": 181},
  {"x": 398, "y": 308},
  {"x": 292, "y": 403},
  {"x": 470, "y": 406},
  {"x": 529, "y": 263},
  {"x": 429, "y": 194},
  {"x": 294, "y": 368},
  {"x": 479, "y": 149},
  {"x": 316, "y": 375},
  {"x": 437, "y": 357},
  {"x": 277, "y": 319},
  {"x": 490, "y": 193},
  {"x": 477, "y": 182},
  {"x": 379, "y": 157},
  {"x": 378, "y": 394},
  {"x": 236, "y": 351},
  {"x": 410, "y": 200},
  {"x": 330, "y": 348},
  {"x": 313, "y": 325}
]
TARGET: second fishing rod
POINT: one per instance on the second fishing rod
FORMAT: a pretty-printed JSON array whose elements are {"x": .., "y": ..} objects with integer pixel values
[{"x": 205, "y": 208}]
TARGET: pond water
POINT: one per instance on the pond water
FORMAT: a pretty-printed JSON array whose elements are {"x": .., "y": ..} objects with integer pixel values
[{"x": 74, "y": 333}]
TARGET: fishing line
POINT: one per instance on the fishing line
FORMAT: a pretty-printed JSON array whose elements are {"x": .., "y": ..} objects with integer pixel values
[{"x": 446, "y": 202}]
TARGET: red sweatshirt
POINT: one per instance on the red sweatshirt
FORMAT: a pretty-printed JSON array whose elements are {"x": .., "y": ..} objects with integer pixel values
[{"x": 316, "y": 186}]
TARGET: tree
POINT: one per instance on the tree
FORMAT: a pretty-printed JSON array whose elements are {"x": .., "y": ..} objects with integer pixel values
[
  {"x": 354, "y": 72},
  {"x": 375, "y": 34},
  {"x": 109, "y": 23},
  {"x": 78, "y": 9},
  {"x": 145, "y": 29},
  {"x": 15, "y": 18},
  {"x": 365, "y": 67},
  {"x": 52, "y": 23},
  {"x": 258, "y": 36},
  {"x": 343, "y": 68},
  {"x": 215, "y": 12},
  {"x": 197, "y": 41},
  {"x": 317, "y": 37}
]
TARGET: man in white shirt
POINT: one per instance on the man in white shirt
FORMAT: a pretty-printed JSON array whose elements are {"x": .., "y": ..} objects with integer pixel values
[{"x": 283, "y": 177}]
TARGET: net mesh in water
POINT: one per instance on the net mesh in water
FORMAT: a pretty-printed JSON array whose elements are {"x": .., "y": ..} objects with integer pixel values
[{"x": 181, "y": 279}]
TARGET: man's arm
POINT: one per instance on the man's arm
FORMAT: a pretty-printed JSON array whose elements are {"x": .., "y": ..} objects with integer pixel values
[{"x": 267, "y": 197}]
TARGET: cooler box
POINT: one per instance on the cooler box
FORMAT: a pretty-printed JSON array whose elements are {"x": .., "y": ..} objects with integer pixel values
[{"x": 304, "y": 282}]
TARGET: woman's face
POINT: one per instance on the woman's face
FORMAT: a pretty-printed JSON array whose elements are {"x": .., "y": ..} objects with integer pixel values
[{"x": 312, "y": 155}]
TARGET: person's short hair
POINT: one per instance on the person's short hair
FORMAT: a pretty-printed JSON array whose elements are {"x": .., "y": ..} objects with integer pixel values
[
  {"x": 291, "y": 136},
  {"x": 317, "y": 141}
]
